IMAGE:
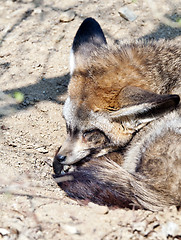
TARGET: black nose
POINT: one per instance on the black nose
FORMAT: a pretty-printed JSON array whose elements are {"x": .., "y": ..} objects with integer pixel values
[
  {"x": 60, "y": 158},
  {"x": 57, "y": 166}
]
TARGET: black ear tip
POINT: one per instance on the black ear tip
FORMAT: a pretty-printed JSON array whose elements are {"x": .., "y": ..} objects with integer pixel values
[
  {"x": 89, "y": 20},
  {"x": 176, "y": 99},
  {"x": 89, "y": 27},
  {"x": 89, "y": 32},
  {"x": 89, "y": 23}
]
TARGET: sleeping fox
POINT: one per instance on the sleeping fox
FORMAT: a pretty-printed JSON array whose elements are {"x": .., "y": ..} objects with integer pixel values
[{"x": 123, "y": 122}]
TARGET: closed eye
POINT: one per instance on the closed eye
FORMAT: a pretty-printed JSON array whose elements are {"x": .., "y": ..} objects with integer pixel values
[
  {"x": 92, "y": 132},
  {"x": 95, "y": 135},
  {"x": 89, "y": 132}
]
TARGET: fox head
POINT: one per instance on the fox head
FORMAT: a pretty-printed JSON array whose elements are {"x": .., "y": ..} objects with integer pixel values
[{"x": 109, "y": 97}]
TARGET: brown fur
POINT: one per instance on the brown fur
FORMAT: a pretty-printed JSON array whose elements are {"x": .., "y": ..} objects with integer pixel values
[{"x": 100, "y": 84}]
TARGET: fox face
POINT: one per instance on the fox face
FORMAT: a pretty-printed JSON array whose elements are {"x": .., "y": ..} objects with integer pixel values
[
  {"x": 89, "y": 133},
  {"x": 113, "y": 93}
]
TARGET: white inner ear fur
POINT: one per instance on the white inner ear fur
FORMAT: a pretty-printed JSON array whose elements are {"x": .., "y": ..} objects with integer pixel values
[
  {"x": 72, "y": 61},
  {"x": 128, "y": 111}
]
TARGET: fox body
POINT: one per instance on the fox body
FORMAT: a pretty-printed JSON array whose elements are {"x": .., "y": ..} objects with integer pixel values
[{"x": 123, "y": 121}]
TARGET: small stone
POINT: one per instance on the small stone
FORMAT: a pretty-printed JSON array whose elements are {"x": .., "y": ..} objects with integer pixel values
[
  {"x": 42, "y": 150},
  {"x": 70, "y": 229},
  {"x": 98, "y": 209},
  {"x": 37, "y": 10},
  {"x": 127, "y": 14},
  {"x": 4, "y": 232},
  {"x": 171, "y": 229},
  {"x": 67, "y": 16}
]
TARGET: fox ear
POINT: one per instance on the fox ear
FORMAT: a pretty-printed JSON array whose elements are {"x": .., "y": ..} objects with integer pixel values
[
  {"x": 143, "y": 106},
  {"x": 88, "y": 37}
]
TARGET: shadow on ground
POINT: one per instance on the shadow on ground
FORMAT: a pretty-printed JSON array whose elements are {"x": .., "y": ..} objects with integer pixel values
[{"x": 54, "y": 88}]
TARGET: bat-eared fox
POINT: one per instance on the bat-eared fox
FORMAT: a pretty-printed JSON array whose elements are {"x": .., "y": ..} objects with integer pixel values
[{"x": 123, "y": 118}]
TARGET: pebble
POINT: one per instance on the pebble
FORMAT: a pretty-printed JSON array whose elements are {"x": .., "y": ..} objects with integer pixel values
[
  {"x": 98, "y": 209},
  {"x": 70, "y": 229},
  {"x": 42, "y": 150},
  {"x": 127, "y": 14},
  {"x": 4, "y": 232},
  {"x": 67, "y": 16},
  {"x": 171, "y": 229},
  {"x": 37, "y": 10}
]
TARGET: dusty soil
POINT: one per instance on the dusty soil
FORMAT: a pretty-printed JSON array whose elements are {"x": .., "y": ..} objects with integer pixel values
[{"x": 34, "y": 60}]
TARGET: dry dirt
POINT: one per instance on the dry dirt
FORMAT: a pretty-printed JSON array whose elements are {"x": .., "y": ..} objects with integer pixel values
[{"x": 34, "y": 60}]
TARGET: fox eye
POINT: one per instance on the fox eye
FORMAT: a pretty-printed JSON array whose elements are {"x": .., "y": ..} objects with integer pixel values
[
  {"x": 95, "y": 136},
  {"x": 91, "y": 132},
  {"x": 87, "y": 134}
]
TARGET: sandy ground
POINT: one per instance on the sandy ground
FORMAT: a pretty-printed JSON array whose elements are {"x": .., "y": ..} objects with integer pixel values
[{"x": 34, "y": 59}]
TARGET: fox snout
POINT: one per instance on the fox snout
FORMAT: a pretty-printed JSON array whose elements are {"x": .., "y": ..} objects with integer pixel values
[
  {"x": 57, "y": 162},
  {"x": 57, "y": 166},
  {"x": 62, "y": 161},
  {"x": 60, "y": 158}
]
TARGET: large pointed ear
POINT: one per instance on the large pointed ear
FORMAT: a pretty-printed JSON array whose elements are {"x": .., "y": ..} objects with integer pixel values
[
  {"x": 143, "y": 106},
  {"x": 88, "y": 38}
]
